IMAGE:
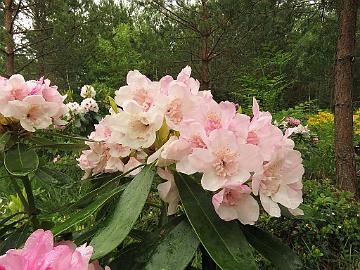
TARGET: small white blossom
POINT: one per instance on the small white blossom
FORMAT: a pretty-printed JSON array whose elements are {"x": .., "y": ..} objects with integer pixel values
[
  {"x": 300, "y": 129},
  {"x": 73, "y": 107},
  {"x": 89, "y": 105},
  {"x": 87, "y": 91}
]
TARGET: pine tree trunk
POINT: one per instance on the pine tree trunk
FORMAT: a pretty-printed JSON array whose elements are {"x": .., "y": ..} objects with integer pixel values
[
  {"x": 345, "y": 49},
  {"x": 9, "y": 39}
]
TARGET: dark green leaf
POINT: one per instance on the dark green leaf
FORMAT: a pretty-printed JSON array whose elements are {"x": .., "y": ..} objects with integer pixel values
[
  {"x": 65, "y": 146},
  {"x": 20, "y": 161},
  {"x": 53, "y": 177},
  {"x": 86, "y": 212},
  {"x": 223, "y": 240},
  {"x": 4, "y": 139},
  {"x": 272, "y": 248},
  {"x": 125, "y": 214},
  {"x": 176, "y": 250},
  {"x": 15, "y": 239},
  {"x": 5, "y": 220},
  {"x": 170, "y": 247}
]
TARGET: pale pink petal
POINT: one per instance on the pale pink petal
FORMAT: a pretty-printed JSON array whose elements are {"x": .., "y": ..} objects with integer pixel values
[
  {"x": 247, "y": 210},
  {"x": 288, "y": 197},
  {"x": 271, "y": 207},
  {"x": 211, "y": 181},
  {"x": 296, "y": 212}
]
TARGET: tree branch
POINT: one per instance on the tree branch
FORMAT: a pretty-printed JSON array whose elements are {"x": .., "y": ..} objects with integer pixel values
[
  {"x": 14, "y": 17},
  {"x": 34, "y": 59},
  {"x": 176, "y": 17}
]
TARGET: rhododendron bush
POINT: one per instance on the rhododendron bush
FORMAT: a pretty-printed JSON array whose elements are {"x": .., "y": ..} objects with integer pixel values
[{"x": 215, "y": 170}]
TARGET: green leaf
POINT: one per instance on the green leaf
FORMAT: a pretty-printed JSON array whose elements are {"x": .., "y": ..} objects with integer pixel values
[
  {"x": 126, "y": 213},
  {"x": 64, "y": 146},
  {"x": 20, "y": 161},
  {"x": 176, "y": 250},
  {"x": 87, "y": 198},
  {"x": 15, "y": 239},
  {"x": 86, "y": 212},
  {"x": 53, "y": 177},
  {"x": 272, "y": 248},
  {"x": 223, "y": 240},
  {"x": 113, "y": 104},
  {"x": 4, "y": 139},
  {"x": 171, "y": 247}
]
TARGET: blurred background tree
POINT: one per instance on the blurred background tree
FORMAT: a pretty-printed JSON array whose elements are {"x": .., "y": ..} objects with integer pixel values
[{"x": 281, "y": 50}]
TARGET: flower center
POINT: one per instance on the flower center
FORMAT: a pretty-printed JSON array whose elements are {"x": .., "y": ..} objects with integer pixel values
[
  {"x": 270, "y": 185},
  {"x": 173, "y": 111},
  {"x": 229, "y": 197},
  {"x": 140, "y": 125},
  {"x": 197, "y": 141},
  {"x": 142, "y": 98},
  {"x": 213, "y": 121},
  {"x": 225, "y": 163},
  {"x": 33, "y": 113}
]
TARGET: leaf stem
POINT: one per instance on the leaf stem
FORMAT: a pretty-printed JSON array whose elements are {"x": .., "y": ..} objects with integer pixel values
[{"x": 32, "y": 210}]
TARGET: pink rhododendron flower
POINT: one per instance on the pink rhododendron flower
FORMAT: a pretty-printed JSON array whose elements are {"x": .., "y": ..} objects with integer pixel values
[
  {"x": 292, "y": 121},
  {"x": 262, "y": 133},
  {"x": 40, "y": 253},
  {"x": 35, "y": 104},
  {"x": 212, "y": 115},
  {"x": 235, "y": 202},
  {"x": 13, "y": 88},
  {"x": 280, "y": 181},
  {"x": 33, "y": 112},
  {"x": 225, "y": 160},
  {"x": 139, "y": 89},
  {"x": 168, "y": 191},
  {"x": 172, "y": 122},
  {"x": 181, "y": 104},
  {"x": 135, "y": 128}
]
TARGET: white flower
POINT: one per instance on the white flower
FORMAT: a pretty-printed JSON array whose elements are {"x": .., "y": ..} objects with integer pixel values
[
  {"x": 135, "y": 128},
  {"x": 87, "y": 91},
  {"x": 300, "y": 129},
  {"x": 89, "y": 105}
]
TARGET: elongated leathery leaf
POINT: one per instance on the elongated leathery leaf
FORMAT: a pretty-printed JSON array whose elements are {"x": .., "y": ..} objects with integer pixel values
[
  {"x": 20, "y": 161},
  {"x": 171, "y": 247},
  {"x": 176, "y": 250},
  {"x": 272, "y": 248},
  {"x": 54, "y": 177},
  {"x": 86, "y": 212},
  {"x": 4, "y": 139},
  {"x": 223, "y": 240},
  {"x": 125, "y": 214}
]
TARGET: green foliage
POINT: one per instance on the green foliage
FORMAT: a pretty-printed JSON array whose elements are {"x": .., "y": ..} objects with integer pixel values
[
  {"x": 20, "y": 161},
  {"x": 170, "y": 247},
  {"x": 330, "y": 238},
  {"x": 126, "y": 212},
  {"x": 115, "y": 57}
]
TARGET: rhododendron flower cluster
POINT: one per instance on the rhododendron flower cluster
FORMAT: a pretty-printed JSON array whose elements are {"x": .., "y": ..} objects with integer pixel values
[
  {"x": 295, "y": 125},
  {"x": 88, "y": 91},
  {"x": 35, "y": 104},
  {"x": 40, "y": 253},
  {"x": 172, "y": 122},
  {"x": 88, "y": 104}
]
